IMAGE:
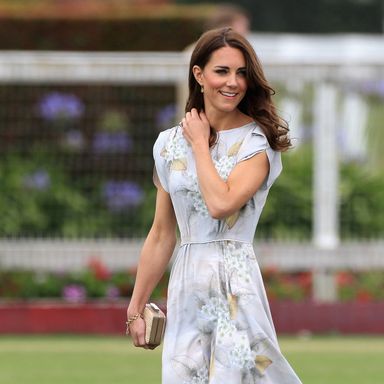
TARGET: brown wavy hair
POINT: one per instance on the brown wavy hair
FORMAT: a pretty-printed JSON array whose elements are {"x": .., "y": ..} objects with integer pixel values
[{"x": 257, "y": 102}]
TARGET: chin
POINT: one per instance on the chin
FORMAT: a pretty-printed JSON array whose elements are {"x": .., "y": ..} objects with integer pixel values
[{"x": 229, "y": 109}]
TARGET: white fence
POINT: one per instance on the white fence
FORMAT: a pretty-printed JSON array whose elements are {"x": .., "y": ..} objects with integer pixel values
[
  {"x": 326, "y": 63},
  {"x": 64, "y": 255}
]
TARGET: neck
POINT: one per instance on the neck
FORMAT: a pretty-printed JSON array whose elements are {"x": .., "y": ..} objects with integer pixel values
[{"x": 223, "y": 121}]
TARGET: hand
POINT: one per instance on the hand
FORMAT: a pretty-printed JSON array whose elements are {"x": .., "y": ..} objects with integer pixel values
[
  {"x": 196, "y": 128},
  {"x": 137, "y": 333}
]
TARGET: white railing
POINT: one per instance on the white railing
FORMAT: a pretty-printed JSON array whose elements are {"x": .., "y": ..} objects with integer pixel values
[
  {"x": 309, "y": 58},
  {"x": 69, "y": 255},
  {"x": 28, "y": 67}
]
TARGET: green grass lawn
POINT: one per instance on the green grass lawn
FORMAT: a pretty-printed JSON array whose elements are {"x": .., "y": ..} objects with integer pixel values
[{"x": 93, "y": 360}]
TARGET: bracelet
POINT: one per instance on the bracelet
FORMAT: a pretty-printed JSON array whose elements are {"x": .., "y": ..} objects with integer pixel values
[{"x": 131, "y": 319}]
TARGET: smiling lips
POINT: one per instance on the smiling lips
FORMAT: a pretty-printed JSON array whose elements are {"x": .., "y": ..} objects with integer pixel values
[{"x": 228, "y": 94}]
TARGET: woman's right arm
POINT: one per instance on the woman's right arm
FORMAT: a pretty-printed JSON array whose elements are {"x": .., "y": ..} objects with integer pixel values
[{"x": 154, "y": 258}]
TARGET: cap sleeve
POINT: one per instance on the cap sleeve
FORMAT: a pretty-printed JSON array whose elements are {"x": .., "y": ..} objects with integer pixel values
[
  {"x": 256, "y": 142},
  {"x": 160, "y": 171}
]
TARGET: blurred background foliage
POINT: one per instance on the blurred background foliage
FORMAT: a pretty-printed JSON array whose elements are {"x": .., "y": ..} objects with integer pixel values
[
  {"x": 96, "y": 281},
  {"x": 98, "y": 25},
  {"x": 70, "y": 161},
  {"x": 318, "y": 16},
  {"x": 76, "y": 161},
  {"x": 134, "y": 25},
  {"x": 39, "y": 198}
]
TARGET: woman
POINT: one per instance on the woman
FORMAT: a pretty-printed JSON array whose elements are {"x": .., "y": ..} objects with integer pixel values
[{"x": 213, "y": 174}]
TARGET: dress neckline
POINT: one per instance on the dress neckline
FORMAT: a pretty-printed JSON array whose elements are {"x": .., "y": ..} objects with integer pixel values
[{"x": 236, "y": 128}]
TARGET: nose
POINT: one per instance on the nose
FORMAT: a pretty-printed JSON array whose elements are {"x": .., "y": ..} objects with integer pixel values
[{"x": 232, "y": 80}]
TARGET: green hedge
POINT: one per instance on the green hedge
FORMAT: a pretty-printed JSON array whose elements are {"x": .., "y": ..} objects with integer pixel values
[
  {"x": 90, "y": 25},
  {"x": 288, "y": 211},
  {"x": 96, "y": 281},
  {"x": 39, "y": 198},
  {"x": 98, "y": 35},
  {"x": 303, "y": 16}
]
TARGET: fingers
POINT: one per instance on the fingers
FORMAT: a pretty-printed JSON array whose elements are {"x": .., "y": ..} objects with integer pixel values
[
  {"x": 190, "y": 119},
  {"x": 139, "y": 342},
  {"x": 137, "y": 332},
  {"x": 195, "y": 127},
  {"x": 194, "y": 113}
]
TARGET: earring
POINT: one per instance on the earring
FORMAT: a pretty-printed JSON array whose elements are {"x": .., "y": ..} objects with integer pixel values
[{"x": 202, "y": 89}]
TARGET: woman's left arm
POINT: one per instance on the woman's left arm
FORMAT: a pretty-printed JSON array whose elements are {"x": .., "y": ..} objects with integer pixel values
[{"x": 223, "y": 198}]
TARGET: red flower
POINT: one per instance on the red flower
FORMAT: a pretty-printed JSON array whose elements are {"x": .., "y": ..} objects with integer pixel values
[
  {"x": 305, "y": 280},
  {"x": 344, "y": 279},
  {"x": 99, "y": 269},
  {"x": 364, "y": 296},
  {"x": 269, "y": 272}
]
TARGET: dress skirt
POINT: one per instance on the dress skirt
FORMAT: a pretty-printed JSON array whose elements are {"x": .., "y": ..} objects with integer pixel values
[{"x": 219, "y": 326}]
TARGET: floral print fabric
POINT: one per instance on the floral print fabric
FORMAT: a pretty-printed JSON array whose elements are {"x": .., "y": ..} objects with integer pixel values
[{"x": 219, "y": 326}]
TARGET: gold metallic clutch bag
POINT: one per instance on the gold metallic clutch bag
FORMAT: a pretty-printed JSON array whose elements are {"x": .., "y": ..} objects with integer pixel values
[{"x": 155, "y": 324}]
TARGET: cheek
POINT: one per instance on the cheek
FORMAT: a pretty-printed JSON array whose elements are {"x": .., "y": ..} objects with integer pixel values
[
  {"x": 243, "y": 84},
  {"x": 214, "y": 82}
]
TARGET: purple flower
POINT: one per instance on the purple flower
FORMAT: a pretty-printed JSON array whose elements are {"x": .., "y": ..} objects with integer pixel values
[
  {"x": 105, "y": 142},
  {"x": 61, "y": 106},
  {"x": 38, "y": 180},
  {"x": 112, "y": 292},
  {"x": 120, "y": 195},
  {"x": 74, "y": 293},
  {"x": 373, "y": 87},
  {"x": 166, "y": 116}
]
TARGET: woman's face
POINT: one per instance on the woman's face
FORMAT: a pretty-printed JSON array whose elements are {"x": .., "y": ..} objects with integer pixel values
[{"x": 223, "y": 79}]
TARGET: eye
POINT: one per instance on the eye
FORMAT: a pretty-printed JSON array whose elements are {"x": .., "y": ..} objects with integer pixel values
[
  {"x": 242, "y": 72},
  {"x": 221, "y": 71}
]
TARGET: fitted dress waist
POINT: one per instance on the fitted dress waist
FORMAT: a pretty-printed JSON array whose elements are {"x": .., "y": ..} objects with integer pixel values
[{"x": 221, "y": 237}]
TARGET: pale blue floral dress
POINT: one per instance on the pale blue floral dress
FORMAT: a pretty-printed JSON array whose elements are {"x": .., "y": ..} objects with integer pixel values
[{"x": 219, "y": 327}]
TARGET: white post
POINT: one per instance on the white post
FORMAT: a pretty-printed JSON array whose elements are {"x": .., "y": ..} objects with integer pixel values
[
  {"x": 182, "y": 89},
  {"x": 292, "y": 108},
  {"x": 326, "y": 172},
  {"x": 354, "y": 122}
]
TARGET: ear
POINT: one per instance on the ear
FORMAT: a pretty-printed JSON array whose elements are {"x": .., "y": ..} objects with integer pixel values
[{"x": 198, "y": 73}]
